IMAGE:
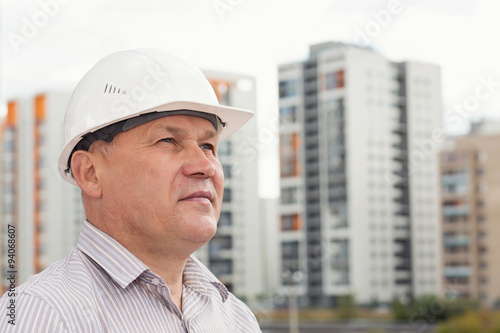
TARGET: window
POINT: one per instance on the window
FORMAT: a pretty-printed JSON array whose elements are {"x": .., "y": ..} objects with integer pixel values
[
  {"x": 333, "y": 80},
  {"x": 455, "y": 208},
  {"x": 225, "y": 219},
  {"x": 224, "y": 148},
  {"x": 289, "y": 195},
  {"x": 227, "y": 195},
  {"x": 288, "y": 88},
  {"x": 227, "y": 171},
  {"x": 287, "y": 223},
  {"x": 289, "y": 164},
  {"x": 290, "y": 250},
  {"x": 454, "y": 157},
  {"x": 221, "y": 266},
  {"x": 288, "y": 114},
  {"x": 290, "y": 222},
  {"x": 455, "y": 181},
  {"x": 219, "y": 243}
]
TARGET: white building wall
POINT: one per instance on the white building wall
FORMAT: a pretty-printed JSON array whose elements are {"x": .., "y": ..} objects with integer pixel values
[
  {"x": 425, "y": 136},
  {"x": 371, "y": 209},
  {"x": 269, "y": 231},
  {"x": 24, "y": 196}
]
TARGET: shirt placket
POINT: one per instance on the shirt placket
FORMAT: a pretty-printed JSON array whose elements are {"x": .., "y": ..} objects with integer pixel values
[
  {"x": 194, "y": 305},
  {"x": 162, "y": 294}
]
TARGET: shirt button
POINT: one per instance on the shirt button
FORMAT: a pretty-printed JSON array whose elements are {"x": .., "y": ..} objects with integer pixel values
[{"x": 155, "y": 281}]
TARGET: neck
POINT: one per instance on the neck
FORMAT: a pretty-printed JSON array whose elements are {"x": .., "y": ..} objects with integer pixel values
[{"x": 164, "y": 261}]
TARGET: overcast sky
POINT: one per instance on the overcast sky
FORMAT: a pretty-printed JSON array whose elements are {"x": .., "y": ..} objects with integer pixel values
[{"x": 250, "y": 37}]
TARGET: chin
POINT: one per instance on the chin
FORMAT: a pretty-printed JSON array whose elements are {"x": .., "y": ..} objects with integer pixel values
[{"x": 203, "y": 231}]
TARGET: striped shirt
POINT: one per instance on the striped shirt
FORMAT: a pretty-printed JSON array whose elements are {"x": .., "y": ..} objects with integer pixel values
[{"x": 102, "y": 287}]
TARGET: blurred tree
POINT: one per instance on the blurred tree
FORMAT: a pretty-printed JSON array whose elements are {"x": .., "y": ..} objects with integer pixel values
[
  {"x": 472, "y": 322},
  {"x": 374, "y": 303},
  {"x": 347, "y": 308},
  {"x": 430, "y": 309},
  {"x": 400, "y": 311}
]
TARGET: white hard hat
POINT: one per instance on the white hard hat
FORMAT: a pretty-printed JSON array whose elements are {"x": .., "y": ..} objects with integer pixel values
[{"x": 130, "y": 83}]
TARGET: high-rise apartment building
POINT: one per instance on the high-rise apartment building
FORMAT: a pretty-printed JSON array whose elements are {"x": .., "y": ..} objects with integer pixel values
[
  {"x": 470, "y": 189},
  {"x": 45, "y": 210},
  {"x": 358, "y": 151},
  {"x": 234, "y": 254}
]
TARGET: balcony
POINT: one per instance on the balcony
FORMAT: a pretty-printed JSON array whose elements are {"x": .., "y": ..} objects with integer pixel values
[
  {"x": 461, "y": 178},
  {"x": 402, "y": 155},
  {"x": 459, "y": 240},
  {"x": 457, "y": 271},
  {"x": 400, "y": 129},
  {"x": 401, "y": 184},
  {"x": 403, "y": 210},
  {"x": 450, "y": 211}
]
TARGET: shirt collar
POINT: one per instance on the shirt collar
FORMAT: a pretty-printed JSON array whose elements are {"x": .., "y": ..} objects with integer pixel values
[
  {"x": 123, "y": 267},
  {"x": 116, "y": 260},
  {"x": 198, "y": 277}
]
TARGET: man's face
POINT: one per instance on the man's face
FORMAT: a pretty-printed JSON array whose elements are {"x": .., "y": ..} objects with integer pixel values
[{"x": 163, "y": 182}]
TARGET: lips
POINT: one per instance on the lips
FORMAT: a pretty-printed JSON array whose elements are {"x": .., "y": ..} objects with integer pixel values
[{"x": 199, "y": 196}]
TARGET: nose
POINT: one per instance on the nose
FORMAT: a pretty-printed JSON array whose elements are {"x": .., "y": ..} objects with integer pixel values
[{"x": 197, "y": 163}]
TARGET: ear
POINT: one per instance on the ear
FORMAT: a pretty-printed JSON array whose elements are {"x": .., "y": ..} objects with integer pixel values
[{"x": 83, "y": 168}]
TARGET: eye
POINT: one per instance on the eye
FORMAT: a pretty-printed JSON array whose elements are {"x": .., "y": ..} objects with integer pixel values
[
  {"x": 167, "y": 140},
  {"x": 207, "y": 146}
]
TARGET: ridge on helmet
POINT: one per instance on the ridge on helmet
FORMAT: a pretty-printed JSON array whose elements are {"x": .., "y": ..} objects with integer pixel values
[{"x": 130, "y": 83}]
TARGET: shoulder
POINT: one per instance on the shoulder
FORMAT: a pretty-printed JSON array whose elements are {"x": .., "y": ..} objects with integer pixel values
[
  {"x": 25, "y": 312},
  {"x": 48, "y": 299},
  {"x": 68, "y": 276}
]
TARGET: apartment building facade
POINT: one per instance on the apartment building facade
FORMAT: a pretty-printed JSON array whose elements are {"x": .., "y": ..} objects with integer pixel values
[
  {"x": 358, "y": 172},
  {"x": 46, "y": 211},
  {"x": 470, "y": 189}
]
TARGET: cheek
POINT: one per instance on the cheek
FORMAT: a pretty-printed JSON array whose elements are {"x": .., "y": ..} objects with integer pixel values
[
  {"x": 141, "y": 178},
  {"x": 218, "y": 180}
]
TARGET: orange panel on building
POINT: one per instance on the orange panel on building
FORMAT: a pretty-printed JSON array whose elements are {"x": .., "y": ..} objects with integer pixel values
[
  {"x": 297, "y": 222},
  {"x": 11, "y": 114},
  {"x": 40, "y": 107}
]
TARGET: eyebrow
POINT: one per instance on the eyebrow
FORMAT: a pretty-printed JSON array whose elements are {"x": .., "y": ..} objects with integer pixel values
[{"x": 209, "y": 134}]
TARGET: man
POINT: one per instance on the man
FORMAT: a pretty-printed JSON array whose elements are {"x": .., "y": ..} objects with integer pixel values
[{"x": 142, "y": 130}]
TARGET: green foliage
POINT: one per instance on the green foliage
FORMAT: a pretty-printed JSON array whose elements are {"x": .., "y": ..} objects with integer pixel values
[
  {"x": 430, "y": 309},
  {"x": 471, "y": 322},
  {"x": 374, "y": 303},
  {"x": 347, "y": 308},
  {"x": 261, "y": 297},
  {"x": 400, "y": 311}
]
